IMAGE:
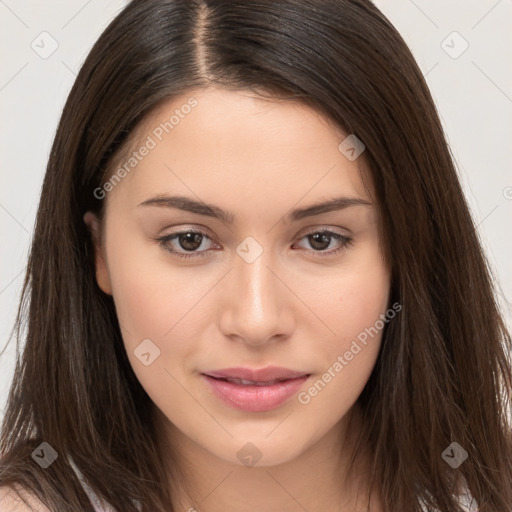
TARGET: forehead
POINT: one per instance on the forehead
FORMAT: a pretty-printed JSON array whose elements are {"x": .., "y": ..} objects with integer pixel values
[{"x": 217, "y": 143}]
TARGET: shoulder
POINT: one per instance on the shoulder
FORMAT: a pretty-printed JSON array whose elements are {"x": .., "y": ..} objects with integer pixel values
[{"x": 17, "y": 499}]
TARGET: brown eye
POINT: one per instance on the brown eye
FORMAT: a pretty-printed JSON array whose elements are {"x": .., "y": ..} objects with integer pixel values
[
  {"x": 179, "y": 244},
  {"x": 321, "y": 240},
  {"x": 190, "y": 241}
]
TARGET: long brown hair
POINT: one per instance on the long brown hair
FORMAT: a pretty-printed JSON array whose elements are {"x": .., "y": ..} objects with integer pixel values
[{"x": 443, "y": 374}]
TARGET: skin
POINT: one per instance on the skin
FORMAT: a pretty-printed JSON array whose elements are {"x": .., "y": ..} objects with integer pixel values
[
  {"x": 294, "y": 306},
  {"x": 16, "y": 499}
]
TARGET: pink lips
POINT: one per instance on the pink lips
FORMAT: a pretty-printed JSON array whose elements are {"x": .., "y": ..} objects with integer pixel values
[{"x": 255, "y": 390}]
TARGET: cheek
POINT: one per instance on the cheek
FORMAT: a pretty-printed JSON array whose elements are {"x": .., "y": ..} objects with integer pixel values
[
  {"x": 143, "y": 303},
  {"x": 355, "y": 310},
  {"x": 355, "y": 301},
  {"x": 348, "y": 361},
  {"x": 152, "y": 303},
  {"x": 362, "y": 298},
  {"x": 146, "y": 301},
  {"x": 150, "y": 296},
  {"x": 159, "y": 302}
]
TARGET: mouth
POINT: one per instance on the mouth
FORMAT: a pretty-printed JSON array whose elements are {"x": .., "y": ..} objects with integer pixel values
[{"x": 255, "y": 390}]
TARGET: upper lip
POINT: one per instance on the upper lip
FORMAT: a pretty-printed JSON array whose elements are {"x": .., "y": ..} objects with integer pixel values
[{"x": 257, "y": 375}]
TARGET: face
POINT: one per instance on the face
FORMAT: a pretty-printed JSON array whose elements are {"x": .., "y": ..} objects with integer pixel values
[{"x": 218, "y": 258}]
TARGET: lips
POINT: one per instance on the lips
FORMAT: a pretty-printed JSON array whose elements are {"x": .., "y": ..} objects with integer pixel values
[{"x": 255, "y": 390}]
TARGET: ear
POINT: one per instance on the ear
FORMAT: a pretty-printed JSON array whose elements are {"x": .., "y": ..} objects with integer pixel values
[{"x": 102, "y": 278}]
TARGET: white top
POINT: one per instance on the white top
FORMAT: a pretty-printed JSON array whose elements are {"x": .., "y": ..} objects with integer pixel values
[
  {"x": 99, "y": 504},
  {"x": 466, "y": 501}
]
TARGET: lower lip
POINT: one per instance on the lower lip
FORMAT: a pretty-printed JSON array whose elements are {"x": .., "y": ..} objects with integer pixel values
[{"x": 255, "y": 398}]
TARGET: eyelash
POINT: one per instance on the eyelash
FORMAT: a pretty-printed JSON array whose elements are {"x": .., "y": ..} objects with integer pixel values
[{"x": 344, "y": 240}]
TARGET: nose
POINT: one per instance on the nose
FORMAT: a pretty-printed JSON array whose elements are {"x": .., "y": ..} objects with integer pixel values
[{"x": 257, "y": 307}]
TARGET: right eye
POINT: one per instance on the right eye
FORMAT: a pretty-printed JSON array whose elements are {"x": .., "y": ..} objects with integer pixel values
[{"x": 188, "y": 240}]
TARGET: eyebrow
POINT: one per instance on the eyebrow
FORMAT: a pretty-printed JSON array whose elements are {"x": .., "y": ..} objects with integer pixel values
[{"x": 190, "y": 205}]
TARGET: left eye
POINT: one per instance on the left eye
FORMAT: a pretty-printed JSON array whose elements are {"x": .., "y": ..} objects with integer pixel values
[
  {"x": 191, "y": 241},
  {"x": 319, "y": 239}
]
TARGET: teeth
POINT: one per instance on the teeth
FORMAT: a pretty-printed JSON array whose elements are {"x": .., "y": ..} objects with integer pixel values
[{"x": 252, "y": 382}]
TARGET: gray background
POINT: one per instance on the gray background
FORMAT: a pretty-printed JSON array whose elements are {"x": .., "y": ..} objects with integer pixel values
[{"x": 472, "y": 88}]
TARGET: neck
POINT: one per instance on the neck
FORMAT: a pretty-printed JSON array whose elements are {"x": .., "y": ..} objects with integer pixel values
[{"x": 315, "y": 480}]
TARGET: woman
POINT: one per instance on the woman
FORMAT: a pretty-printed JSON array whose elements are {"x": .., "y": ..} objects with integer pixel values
[{"x": 254, "y": 282}]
